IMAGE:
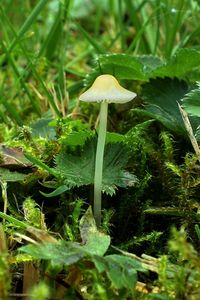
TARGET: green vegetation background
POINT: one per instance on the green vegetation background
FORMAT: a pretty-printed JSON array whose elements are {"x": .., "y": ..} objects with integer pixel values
[{"x": 148, "y": 245}]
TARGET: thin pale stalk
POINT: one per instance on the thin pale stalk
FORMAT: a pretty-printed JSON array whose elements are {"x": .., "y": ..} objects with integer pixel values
[{"x": 99, "y": 162}]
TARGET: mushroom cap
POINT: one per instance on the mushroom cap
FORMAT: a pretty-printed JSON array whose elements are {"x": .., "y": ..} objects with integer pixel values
[{"x": 107, "y": 88}]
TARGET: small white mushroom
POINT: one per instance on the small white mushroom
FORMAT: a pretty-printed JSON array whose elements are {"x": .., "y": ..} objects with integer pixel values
[{"x": 105, "y": 89}]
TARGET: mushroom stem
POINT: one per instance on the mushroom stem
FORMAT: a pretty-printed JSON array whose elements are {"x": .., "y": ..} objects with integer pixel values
[{"x": 99, "y": 162}]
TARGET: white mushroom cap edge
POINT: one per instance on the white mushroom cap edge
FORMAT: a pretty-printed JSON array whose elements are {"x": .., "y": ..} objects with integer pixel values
[{"x": 107, "y": 88}]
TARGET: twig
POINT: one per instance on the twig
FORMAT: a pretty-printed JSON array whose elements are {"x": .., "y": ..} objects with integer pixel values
[{"x": 190, "y": 131}]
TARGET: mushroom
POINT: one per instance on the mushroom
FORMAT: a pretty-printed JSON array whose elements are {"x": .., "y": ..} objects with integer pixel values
[{"x": 105, "y": 89}]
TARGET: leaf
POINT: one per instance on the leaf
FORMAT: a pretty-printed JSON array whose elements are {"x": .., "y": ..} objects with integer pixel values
[
  {"x": 95, "y": 242},
  {"x": 65, "y": 253},
  {"x": 127, "y": 179},
  {"x": 113, "y": 137},
  {"x": 13, "y": 221},
  {"x": 182, "y": 62},
  {"x": 150, "y": 62},
  {"x": 87, "y": 224},
  {"x": 41, "y": 128},
  {"x": 123, "y": 66},
  {"x": 161, "y": 96},
  {"x": 76, "y": 138},
  {"x": 191, "y": 102},
  {"x": 59, "y": 253},
  {"x": 185, "y": 61},
  {"x": 121, "y": 270},
  {"x": 9, "y": 176},
  {"x": 115, "y": 159},
  {"x": 78, "y": 170},
  {"x": 60, "y": 190}
]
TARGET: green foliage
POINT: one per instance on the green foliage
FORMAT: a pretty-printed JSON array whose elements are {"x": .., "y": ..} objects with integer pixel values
[
  {"x": 79, "y": 170},
  {"x": 162, "y": 96},
  {"x": 41, "y": 128},
  {"x": 49, "y": 50},
  {"x": 40, "y": 291},
  {"x": 185, "y": 282},
  {"x": 120, "y": 270},
  {"x": 151, "y": 238},
  {"x": 72, "y": 226},
  {"x": 91, "y": 237},
  {"x": 191, "y": 102},
  {"x": 11, "y": 176},
  {"x": 138, "y": 139},
  {"x": 33, "y": 214},
  {"x": 184, "y": 188},
  {"x": 188, "y": 181},
  {"x": 168, "y": 146},
  {"x": 125, "y": 66}
]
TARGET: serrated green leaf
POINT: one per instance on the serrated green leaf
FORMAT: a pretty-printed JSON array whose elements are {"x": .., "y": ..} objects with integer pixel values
[
  {"x": 182, "y": 62},
  {"x": 123, "y": 66},
  {"x": 79, "y": 170},
  {"x": 161, "y": 96},
  {"x": 78, "y": 138},
  {"x": 113, "y": 137}
]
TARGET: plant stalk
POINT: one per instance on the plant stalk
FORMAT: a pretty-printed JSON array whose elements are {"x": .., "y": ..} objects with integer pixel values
[{"x": 99, "y": 162}]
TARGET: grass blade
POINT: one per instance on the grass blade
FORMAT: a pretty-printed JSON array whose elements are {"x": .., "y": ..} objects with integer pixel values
[
  {"x": 27, "y": 24},
  {"x": 35, "y": 73},
  {"x": 40, "y": 164},
  {"x": 23, "y": 85},
  {"x": 99, "y": 49},
  {"x": 13, "y": 220}
]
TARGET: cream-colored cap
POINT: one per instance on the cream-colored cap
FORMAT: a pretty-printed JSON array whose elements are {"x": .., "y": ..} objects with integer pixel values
[{"x": 107, "y": 88}]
